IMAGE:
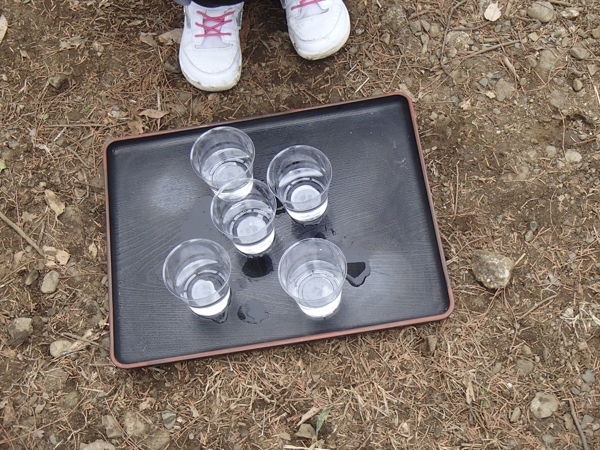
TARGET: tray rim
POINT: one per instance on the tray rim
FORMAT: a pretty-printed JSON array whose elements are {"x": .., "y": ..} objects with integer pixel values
[{"x": 279, "y": 342}]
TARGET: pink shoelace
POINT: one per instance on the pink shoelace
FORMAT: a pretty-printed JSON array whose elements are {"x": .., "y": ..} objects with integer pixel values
[
  {"x": 214, "y": 30},
  {"x": 305, "y": 3}
]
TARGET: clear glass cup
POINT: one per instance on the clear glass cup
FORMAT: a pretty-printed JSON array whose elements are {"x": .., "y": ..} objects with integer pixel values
[
  {"x": 300, "y": 176},
  {"x": 197, "y": 272},
  {"x": 223, "y": 155},
  {"x": 312, "y": 272},
  {"x": 246, "y": 214}
]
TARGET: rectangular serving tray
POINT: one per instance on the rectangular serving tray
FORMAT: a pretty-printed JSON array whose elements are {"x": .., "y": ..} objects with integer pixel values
[{"x": 380, "y": 213}]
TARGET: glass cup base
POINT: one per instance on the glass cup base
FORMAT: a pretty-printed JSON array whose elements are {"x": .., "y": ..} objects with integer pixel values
[
  {"x": 323, "y": 311},
  {"x": 257, "y": 248},
  {"x": 309, "y": 217},
  {"x": 213, "y": 310}
]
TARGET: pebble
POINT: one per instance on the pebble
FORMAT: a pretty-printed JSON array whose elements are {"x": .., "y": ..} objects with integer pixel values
[
  {"x": 529, "y": 236},
  {"x": 569, "y": 13},
  {"x": 533, "y": 226},
  {"x": 504, "y": 90},
  {"x": 98, "y": 445},
  {"x": 572, "y": 156},
  {"x": 492, "y": 269},
  {"x": 578, "y": 51},
  {"x": 551, "y": 151},
  {"x": 526, "y": 350},
  {"x": 111, "y": 426},
  {"x": 31, "y": 277},
  {"x": 58, "y": 81},
  {"x": 515, "y": 415},
  {"x": 577, "y": 85},
  {"x": 524, "y": 367},
  {"x": 542, "y": 11},
  {"x": 20, "y": 329},
  {"x": 543, "y": 405},
  {"x": 133, "y": 425},
  {"x": 158, "y": 440},
  {"x": 547, "y": 60},
  {"x": 588, "y": 376},
  {"x": 50, "y": 283},
  {"x": 168, "y": 418},
  {"x": 385, "y": 38},
  {"x": 70, "y": 400},
  {"x": 57, "y": 348},
  {"x": 548, "y": 439},
  {"x": 586, "y": 420},
  {"x": 306, "y": 431}
]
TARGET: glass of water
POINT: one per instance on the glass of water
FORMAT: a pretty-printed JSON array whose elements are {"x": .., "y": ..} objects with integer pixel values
[
  {"x": 197, "y": 272},
  {"x": 312, "y": 272},
  {"x": 246, "y": 216},
  {"x": 223, "y": 155},
  {"x": 300, "y": 176}
]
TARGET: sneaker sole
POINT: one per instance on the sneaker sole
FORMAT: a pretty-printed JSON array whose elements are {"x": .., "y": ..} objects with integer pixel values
[{"x": 212, "y": 88}]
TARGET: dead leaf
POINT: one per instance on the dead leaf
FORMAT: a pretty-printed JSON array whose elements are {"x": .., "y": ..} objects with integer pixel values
[
  {"x": 310, "y": 413},
  {"x": 93, "y": 250},
  {"x": 470, "y": 391},
  {"x": 493, "y": 12},
  {"x": 52, "y": 201},
  {"x": 147, "y": 403},
  {"x": 154, "y": 113},
  {"x": 28, "y": 217},
  {"x": 170, "y": 37},
  {"x": 136, "y": 126},
  {"x": 148, "y": 38},
  {"x": 62, "y": 257},
  {"x": 74, "y": 42},
  {"x": 3, "y": 27}
]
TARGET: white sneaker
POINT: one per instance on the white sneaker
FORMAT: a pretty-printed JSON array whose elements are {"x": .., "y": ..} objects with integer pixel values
[
  {"x": 209, "y": 55},
  {"x": 317, "y": 28}
]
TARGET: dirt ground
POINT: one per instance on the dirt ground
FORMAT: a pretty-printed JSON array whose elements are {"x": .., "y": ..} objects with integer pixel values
[{"x": 508, "y": 114}]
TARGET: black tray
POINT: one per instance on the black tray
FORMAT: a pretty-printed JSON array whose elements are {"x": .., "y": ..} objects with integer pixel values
[{"x": 380, "y": 212}]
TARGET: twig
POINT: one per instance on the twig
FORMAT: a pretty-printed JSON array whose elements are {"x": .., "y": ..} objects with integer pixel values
[
  {"x": 597, "y": 95},
  {"x": 493, "y": 47},
  {"x": 446, "y": 32},
  {"x": 578, "y": 425},
  {"x": 559, "y": 3},
  {"x": 536, "y": 306},
  {"x": 16, "y": 227}
]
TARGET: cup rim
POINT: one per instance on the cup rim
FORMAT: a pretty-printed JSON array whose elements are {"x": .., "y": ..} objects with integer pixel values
[
  {"x": 270, "y": 179},
  {"x": 217, "y": 129},
  {"x": 233, "y": 199},
  {"x": 218, "y": 247},
  {"x": 327, "y": 243}
]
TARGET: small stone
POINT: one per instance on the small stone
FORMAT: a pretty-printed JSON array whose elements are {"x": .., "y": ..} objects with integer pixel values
[
  {"x": 572, "y": 156},
  {"x": 569, "y": 425},
  {"x": 533, "y": 37},
  {"x": 551, "y": 151},
  {"x": 575, "y": 391},
  {"x": 543, "y": 405},
  {"x": 58, "y": 81},
  {"x": 20, "y": 330},
  {"x": 492, "y": 269},
  {"x": 515, "y": 415},
  {"x": 526, "y": 350},
  {"x": 548, "y": 440},
  {"x": 168, "y": 418},
  {"x": 524, "y": 367},
  {"x": 31, "y": 277},
  {"x": 588, "y": 376},
  {"x": 306, "y": 431},
  {"x": 57, "y": 348},
  {"x": 532, "y": 226},
  {"x": 158, "y": 440},
  {"x": 577, "y": 85},
  {"x": 582, "y": 346},
  {"x": 98, "y": 445},
  {"x": 570, "y": 13},
  {"x": 596, "y": 33},
  {"x": 529, "y": 236},
  {"x": 429, "y": 345},
  {"x": 497, "y": 368},
  {"x": 172, "y": 67},
  {"x": 133, "y": 425},
  {"x": 110, "y": 424},
  {"x": 70, "y": 400},
  {"x": 578, "y": 51},
  {"x": 586, "y": 420},
  {"x": 50, "y": 283},
  {"x": 385, "y": 38},
  {"x": 542, "y": 11},
  {"x": 547, "y": 60}
]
